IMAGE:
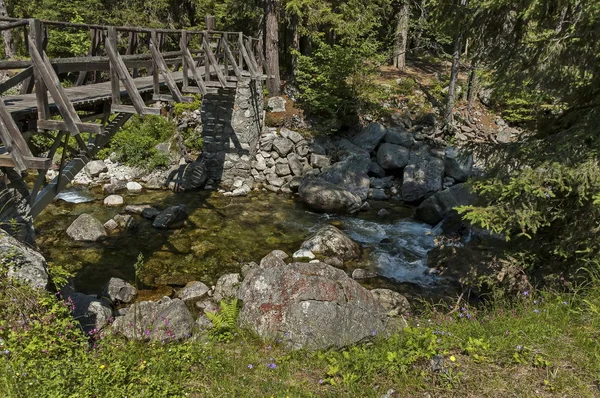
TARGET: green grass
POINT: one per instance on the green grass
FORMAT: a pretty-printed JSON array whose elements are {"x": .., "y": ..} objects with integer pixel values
[{"x": 539, "y": 344}]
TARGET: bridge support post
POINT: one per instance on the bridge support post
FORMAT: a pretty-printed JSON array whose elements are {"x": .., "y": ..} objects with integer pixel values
[{"x": 232, "y": 120}]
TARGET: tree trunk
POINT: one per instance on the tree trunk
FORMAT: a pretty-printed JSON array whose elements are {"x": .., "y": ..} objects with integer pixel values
[
  {"x": 402, "y": 21},
  {"x": 9, "y": 44},
  {"x": 272, "y": 47},
  {"x": 295, "y": 46},
  {"x": 448, "y": 113},
  {"x": 472, "y": 87}
]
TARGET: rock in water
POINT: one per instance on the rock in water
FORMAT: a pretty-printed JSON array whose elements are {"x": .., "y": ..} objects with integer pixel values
[
  {"x": 172, "y": 217},
  {"x": 86, "y": 228},
  {"x": 113, "y": 200},
  {"x": 24, "y": 264},
  {"x": 331, "y": 242},
  {"x": 325, "y": 196},
  {"x": 436, "y": 207},
  {"x": 312, "y": 306},
  {"x": 119, "y": 291},
  {"x": 134, "y": 187}
]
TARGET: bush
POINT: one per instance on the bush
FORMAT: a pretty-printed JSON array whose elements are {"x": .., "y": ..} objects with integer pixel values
[
  {"x": 135, "y": 143},
  {"x": 336, "y": 81}
]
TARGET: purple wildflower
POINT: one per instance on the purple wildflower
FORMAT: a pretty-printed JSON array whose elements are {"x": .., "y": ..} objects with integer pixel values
[
  {"x": 250, "y": 366},
  {"x": 536, "y": 311},
  {"x": 271, "y": 365}
]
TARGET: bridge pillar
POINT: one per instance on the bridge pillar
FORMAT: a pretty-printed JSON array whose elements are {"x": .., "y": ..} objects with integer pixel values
[
  {"x": 15, "y": 211},
  {"x": 232, "y": 121}
]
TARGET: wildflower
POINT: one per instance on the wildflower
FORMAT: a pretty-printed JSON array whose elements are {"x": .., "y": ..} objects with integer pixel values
[
  {"x": 102, "y": 366},
  {"x": 564, "y": 302},
  {"x": 321, "y": 381},
  {"x": 250, "y": 366},
  {"x": 536, "y": 311},
  {"x": 6, "y": 352},
  {"x": 374, "y": 333},
  {"x": 452, "y": 358},
  {"x": 271, "y": 365},
  {"x": 525, "y": 293},
  {"x": 519, "y": 348},
  {"x": 147, "y": 332},
  {"x": 534, "y": 301}
]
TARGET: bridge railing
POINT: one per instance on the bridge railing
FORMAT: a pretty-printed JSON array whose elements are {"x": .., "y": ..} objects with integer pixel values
[{"x": 176, "y": 62}]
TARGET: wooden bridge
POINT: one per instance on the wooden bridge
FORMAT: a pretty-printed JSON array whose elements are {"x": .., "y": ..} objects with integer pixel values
[{"x": 89, "y": 98}]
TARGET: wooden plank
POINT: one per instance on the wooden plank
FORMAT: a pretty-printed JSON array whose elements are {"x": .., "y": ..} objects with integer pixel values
[
  {"x": 213, "y": 61},
  {"x": 249, "y": 49},
  {"x": 58, "y": 125},
  {"x": 183, "y": 44},
  {"x": 41, "y": 95},
  {"x": 16, "y": 79},
  {"x": 15, "y": 134},
  {"x": 124, "y": 75},
  {"x": 164, "y": 70},
  {"x": 133, "y": 110},
  {"x": 253, "y": 71},
  {"x": 13, "y": 25},
  {"x": 115, "y": 85},
  {"x": 30, "y": 162},
  {"x": 229, "y": 54},
  {"x": 67, "y": 111},
  {"x": 14, "y": 155},
  {"x": 199, "y": 81}
]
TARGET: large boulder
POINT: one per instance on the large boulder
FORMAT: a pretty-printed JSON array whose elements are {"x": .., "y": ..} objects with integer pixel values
[
  {"x": 227, "y": 287},
  {"x": 393, "y": 302},
  {"x": 436, "y": 207},
  {"x": 86, "y": 228},
  {"x": 350, "y": 174},
  {"x": 458, "y": 165},
  {"x": 90, "y": 312},
  {"x": 392, "y": 157},
  {"x": 24, "y": 264},
  {"x": 370, "y": 137},
  {"x": 173, "y": 217},
  {"x": 191, "y": 176},
  {"x": 161, "y": 320},
  {"x": 327, "y": 197},
  {"x": 331, "y": 242},
  {"x": 119, "y": 291},
  {"x": 312, "y": 306},
  {"x": 423, "y": 176},
  {"x": 399, "y": 136}
]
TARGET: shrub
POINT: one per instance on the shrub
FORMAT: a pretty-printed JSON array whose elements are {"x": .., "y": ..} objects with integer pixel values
[{"x": 135, "y": 143}]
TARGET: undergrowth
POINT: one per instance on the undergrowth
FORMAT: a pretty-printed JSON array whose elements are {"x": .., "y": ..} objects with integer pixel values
[{"x": 538, "y": 344}]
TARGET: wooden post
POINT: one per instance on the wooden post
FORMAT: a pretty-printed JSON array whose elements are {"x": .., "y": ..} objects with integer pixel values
[
  {"x": 206, "y": 39},
  {"x": 240, "y": 53},
  {"x": 155, "y": 72},
  {"x": 183, "y": 44},
  {"x": 115, "y": 84},
  {"x": 41, "y": 94},
  {"x": 210, "y": 22}
]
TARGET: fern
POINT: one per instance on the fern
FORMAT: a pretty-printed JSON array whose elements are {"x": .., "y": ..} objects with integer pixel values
[{"x": 224, "y": 321}]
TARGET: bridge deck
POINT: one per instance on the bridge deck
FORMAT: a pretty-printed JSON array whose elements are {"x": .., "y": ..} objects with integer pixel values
[{"x": 83, "y": 95}]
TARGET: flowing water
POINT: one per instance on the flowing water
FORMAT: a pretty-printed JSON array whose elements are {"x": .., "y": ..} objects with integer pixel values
[{"x": 223, "y": 233}]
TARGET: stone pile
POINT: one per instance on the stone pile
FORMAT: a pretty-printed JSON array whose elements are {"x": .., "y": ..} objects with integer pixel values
[
  {"x": 383, "y": 163},
  {"x": 282, "y": 159}
]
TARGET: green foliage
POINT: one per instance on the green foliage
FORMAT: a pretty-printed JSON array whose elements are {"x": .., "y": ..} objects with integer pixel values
[
  {"x": 337, "y": 81},
  {"x": 224, "y": 321},
  {"x": 179, "y": 108},
  {"x": 135, "y": 143}
]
